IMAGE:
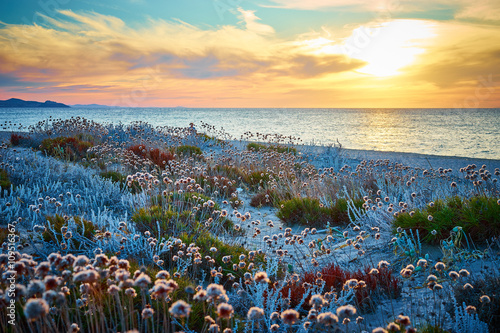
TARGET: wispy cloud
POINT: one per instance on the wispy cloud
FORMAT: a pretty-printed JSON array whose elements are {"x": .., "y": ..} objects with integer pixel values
[{"x": 383, "y": 61}]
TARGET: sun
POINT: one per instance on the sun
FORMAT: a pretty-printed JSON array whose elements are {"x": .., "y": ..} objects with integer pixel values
[
  {"x": 385, "y": 47},
  {"x": 389, "y": 47}
]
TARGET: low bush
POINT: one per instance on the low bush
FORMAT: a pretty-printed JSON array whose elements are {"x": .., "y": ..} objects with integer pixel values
[
  {"x": 279, "y": 149},
  {"x": 479, "y": 218},
  {"x": 230, "y": 172},
  {"x": 178, "y": 213},
  {"x": 206, "y": 241},
  {"x": 384, "y": 283},
  {"x": 158, "y": 157},
  {"x": 57, "y": 235},
  {"x": 265, "y": 198},
  {"x": 5, "y": 183},
  {"x": 18, "y": 139},
  {"x": 163, "y": 221},
  {"x": 117, "y": 177},
  {"x": 256, "y": 179},
  {"x": 310, "y": 212},
  {"x": 66, "y": 148},
  {"x": 187, "y": 150}
]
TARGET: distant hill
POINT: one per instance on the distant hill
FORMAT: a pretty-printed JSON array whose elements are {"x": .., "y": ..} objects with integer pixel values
[
  {"x": 19, "y": 103},
  {"x": 91, "y": 106}
]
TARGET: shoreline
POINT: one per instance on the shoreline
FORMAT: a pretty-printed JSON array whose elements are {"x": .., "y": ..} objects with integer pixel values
[
  {"x": 419, "y": 160},
  {"x": 425, "y": 161}
]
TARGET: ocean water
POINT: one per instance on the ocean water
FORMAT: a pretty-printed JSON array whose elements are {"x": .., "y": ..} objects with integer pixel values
[{"x": 449, "y": 132}]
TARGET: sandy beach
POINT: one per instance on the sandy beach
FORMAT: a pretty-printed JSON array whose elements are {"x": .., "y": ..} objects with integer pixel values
[{"x": 354, "y": 156}]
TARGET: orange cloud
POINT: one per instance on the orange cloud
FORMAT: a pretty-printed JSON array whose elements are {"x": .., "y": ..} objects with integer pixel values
[{"x": 405, "y": 63}]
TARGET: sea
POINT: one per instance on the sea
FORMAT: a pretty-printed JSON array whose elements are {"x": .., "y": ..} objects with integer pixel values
[{"x": 471, "y": 133}]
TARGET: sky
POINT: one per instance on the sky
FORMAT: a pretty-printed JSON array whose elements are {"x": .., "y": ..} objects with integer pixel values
[{"x": 263, "y": 53}]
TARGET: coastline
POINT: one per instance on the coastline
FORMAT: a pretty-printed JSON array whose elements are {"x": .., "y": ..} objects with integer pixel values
[{"x": 354, "y": 156}]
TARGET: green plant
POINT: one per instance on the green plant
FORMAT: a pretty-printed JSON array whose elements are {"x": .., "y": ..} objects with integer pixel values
[
  {"x": 5, "y": 183},
  {"x": 479, "y": 218},
  {"x": 255, "y": 179},
  {"x": 279, "y": 149},
  {"x": 206, "y": 241},
  {"x": 117, "y": 177},
  {"x": 70, "y": 148},
  {"x": 223, "y": 185},
  {"x": 53, "y": 231},
  {"x": 187, "y": 150},
  {"x": 168, "y": 221},
  {"x": 310, "y": 212}
]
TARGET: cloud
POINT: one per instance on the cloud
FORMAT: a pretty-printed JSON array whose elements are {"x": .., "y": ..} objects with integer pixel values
[
  {"x": 97, "y": 47},
  {"x": 482, "y": 10},
  {"x": 252, "y": 24},
  {"x": 458, "y": 55},
  {"x": 488, "y": 10},
  {"x": 85, "y": 53},
  {"x": 308, "y": 66}
]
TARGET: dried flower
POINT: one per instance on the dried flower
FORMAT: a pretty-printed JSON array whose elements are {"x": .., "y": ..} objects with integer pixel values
[
  {"x": 180, "y": 309},
  {"x": 290, "y": 316},
  {"x": 255, "y": 313},
  {"x": 36, "y": 308}
]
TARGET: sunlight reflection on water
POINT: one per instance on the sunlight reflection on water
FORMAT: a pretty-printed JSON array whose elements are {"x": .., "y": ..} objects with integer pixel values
[{"x": 451, "y": 132}]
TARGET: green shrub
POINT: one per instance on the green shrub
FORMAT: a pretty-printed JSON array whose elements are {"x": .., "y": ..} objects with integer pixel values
[
  {"x": 207, "y": 138},
  {"x": 5, "y": 183},
  {"x": 303, "y": 211},
  {"x": 231, "y": 172},
  {"x": 309, "y": 212},
  {"x": 83, "y": 227},
  {"x": 255, "y": 179},
  {"x": 479, "y": 218},
  {"x": 117, "y": 177},
  {"x": 225, "y": 186},
  {"x": 279, "y": 149},
  {"x": 187, "y": 150},
  {"x": 205, "y": 241},
  {"x": 170, "y": 222},
  {"x": 177, "y": 213}
]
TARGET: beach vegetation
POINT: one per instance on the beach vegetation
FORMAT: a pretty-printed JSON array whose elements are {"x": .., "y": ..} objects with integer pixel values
[
  {"x": 257, "y": 147},
  {"x": 133, "y": 232},
  {"x": 187, "y": 150},
  {"x": 66, "y": 148},
  {"x": 310, "y": 212},
  {"x": 477, "y": 217},
  {"x": 5, "y": 183}
]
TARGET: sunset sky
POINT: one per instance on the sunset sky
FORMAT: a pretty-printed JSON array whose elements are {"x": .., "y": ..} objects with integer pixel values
[{"x": 268, "y": 53}]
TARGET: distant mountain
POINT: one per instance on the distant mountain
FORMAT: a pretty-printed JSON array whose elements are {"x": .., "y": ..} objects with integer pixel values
[
  {"x": 91, "y": 106},
  {"x": 19, "y": 103}
]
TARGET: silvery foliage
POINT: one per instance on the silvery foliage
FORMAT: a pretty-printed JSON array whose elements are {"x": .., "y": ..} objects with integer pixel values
[
  {"x": 465, "y": 322},
  {"x": 40, "y": 177},
  {"x": 55, "y": 187}
]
